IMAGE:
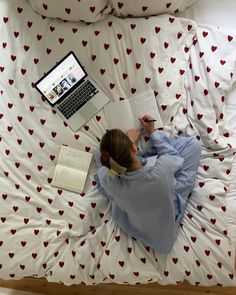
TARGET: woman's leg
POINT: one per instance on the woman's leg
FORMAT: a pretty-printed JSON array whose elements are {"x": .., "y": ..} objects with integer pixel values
[{"x": 190, "y": 149}]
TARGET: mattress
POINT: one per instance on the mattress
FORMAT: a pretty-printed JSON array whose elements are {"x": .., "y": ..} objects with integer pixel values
[{"x": 72, "y": 238}]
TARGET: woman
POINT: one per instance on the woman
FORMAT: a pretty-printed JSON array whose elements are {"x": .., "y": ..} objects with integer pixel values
[{"x": 148, "y": 192}]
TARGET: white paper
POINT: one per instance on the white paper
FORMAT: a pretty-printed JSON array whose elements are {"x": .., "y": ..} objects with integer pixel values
[
  {"x": 125, "y": 114},
  {"x": 74, "y": 158},
  {"x": 69, "y": 178},
  {"x": 145, "y": 104},
  {"x": 119, "y": 115}
]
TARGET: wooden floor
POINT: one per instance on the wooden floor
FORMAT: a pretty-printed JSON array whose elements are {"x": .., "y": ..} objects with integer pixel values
[{"x": 42, "y": 286}]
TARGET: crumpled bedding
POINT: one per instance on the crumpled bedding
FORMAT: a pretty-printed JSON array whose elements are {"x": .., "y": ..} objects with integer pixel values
[{"x": 71, "y": 238}]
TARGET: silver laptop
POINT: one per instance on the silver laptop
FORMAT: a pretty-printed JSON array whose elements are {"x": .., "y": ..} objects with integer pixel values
[{"x": 70, "y": 91}]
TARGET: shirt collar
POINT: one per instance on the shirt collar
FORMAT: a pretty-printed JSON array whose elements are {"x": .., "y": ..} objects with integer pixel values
[{"x": 150, "y": 163}]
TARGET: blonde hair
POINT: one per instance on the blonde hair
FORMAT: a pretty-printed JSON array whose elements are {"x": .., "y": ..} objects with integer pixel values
[{"x": 116, "y": 144}]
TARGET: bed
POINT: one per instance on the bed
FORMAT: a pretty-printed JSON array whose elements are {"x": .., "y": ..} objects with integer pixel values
[{"x": 188, "y": 60}]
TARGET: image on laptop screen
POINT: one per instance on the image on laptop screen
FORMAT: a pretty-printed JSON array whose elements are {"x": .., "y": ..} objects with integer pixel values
[{"x": 61, "y": 79}]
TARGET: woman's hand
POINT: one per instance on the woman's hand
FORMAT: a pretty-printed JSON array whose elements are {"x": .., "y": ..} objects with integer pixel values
[
  {"x": 133, "y": 135},
  {"x": 148, "y": 126}
]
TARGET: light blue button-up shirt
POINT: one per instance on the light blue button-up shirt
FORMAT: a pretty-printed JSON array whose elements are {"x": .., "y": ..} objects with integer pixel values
[{"x": 142, "y": 201}]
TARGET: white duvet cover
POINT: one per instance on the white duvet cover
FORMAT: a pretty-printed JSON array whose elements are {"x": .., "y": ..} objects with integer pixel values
[{"x": 71, "y": 238}]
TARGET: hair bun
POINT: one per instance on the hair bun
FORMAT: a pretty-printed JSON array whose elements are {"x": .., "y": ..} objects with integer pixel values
[{"x": 105, "y": 159}]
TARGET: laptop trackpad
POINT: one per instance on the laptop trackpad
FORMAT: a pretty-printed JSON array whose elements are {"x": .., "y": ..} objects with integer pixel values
[{"x": 88, "y": 111}]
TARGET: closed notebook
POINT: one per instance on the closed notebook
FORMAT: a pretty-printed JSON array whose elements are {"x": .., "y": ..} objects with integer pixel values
[{"x": 71, "y": 170}]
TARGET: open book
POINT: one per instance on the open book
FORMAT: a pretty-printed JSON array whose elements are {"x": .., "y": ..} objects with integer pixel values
[
  {"x": 71, "y": 169},
  {"x": 124, "y": 114}
]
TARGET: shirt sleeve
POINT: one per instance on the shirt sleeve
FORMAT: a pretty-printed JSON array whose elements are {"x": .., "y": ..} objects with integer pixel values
[{"x": 162, "y": 144}]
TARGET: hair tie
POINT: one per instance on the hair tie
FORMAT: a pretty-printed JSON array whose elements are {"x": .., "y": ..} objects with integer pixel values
[{"x": 115, "y": 168}]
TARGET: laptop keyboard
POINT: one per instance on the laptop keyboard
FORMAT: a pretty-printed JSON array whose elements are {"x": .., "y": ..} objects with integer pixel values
[{"x": 77, "y": 99}]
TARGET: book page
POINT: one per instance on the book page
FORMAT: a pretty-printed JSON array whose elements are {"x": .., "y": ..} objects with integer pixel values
[
  {"x": 119, "y": 115},
  {"x": 69, "y": 178},
  {"x": 74, "y": 158},
  {"x": 145, "y": 104}
]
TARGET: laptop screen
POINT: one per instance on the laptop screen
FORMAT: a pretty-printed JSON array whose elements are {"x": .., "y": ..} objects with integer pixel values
[{"x": 58, "y": 81}]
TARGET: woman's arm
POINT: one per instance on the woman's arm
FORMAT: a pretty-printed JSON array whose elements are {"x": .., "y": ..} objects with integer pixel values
[{"x": 161, "y": 142}]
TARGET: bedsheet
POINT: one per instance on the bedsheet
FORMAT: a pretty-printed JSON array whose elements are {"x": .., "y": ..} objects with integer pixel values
[
  {"x": 199, "y": 12},
  {"x": 71, "y": 238}
]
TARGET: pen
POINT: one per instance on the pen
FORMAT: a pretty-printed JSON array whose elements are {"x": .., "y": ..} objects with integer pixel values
[{"x": 149, "y": 121}]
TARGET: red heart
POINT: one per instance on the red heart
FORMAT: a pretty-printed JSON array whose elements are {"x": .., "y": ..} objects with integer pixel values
[
  {"x": 213, "y": 220},
  {"x": 93, "y": 205},
  {"x": 61, "y": 40},
  {"x": 103, "y": 243},
  {"x": 147, "y": 80},
  {"x": 186, "y": 248},
  {"x": 115, "y": 60},
  {"x": 128, "y": 51},
  {"x": 201, "y": 184},
  {"x": 199, "y": 116},
  {"x": 175, "y": 260},
  {"x": 112, "y": 85},
  {"x": 36, "y": 232},
  {"x": 193, "y": 239},
  {"x": 196, "y": 78},
  {"x": 142, "y": 40},
  {"x": 106, "y": 46},
  {"x": 119, "y": 36},
  {"x": 133, "y": 26},
  {"x": 230, "y": 38},
  {"x": 188, "y": 273},
  {"x": 217, "y": 84},
  {"x": 209, "y": 276},
  {"x": 166, "y": 273},
  {"x": 179, "y": 35},
  {"x": 213, "y": 48},
  {"x": 198, "y": 263},
  {"x": 209, "y": 129},
  {"x": 61, "y": 263},
  {"x": 81, "y": 216},
  {"x": 34, "y": 255},
  {"x": 222, "y": 62},
  {"x": 201, "y": 54},
  {"x": 218, "y": 242},
  {"x": 45, "y": 6},
  {"x": 152, "y": 54},
  {"x": 205, "y": 92},
  {"x": 124, "y": 76},
  {"x": 138, "y": 66}
]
